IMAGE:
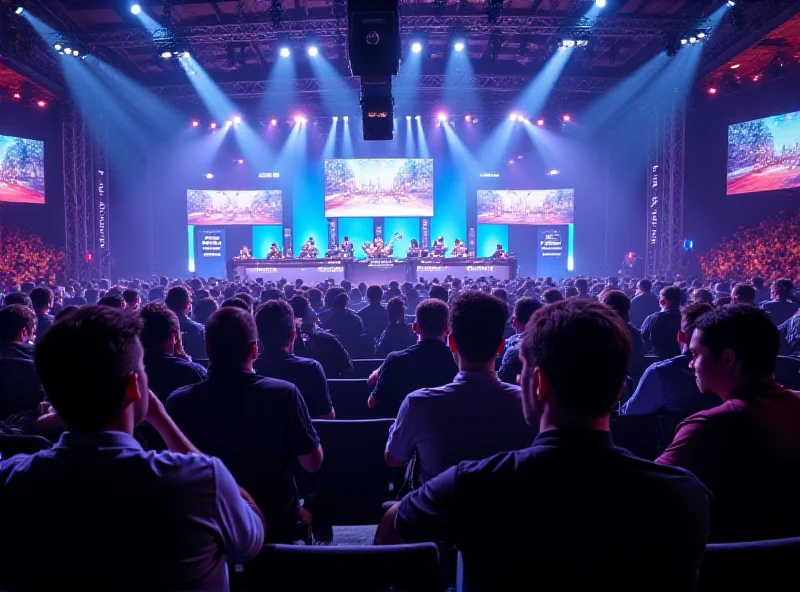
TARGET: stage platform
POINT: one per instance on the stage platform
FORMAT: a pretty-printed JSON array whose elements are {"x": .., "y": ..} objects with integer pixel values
[{"x": 370, "y": 271}]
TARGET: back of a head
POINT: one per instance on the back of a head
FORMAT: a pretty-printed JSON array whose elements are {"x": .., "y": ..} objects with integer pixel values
[
  {"x": 431, "y": 318},
  {"x": 346, "y": 285},
  {"x": 275, "y": 323},
  {"x": 744, "y": 294},
  {"x": 203, "y": 309},
  {"x": 396, "y": 310},
  {"x": 583, "y": 348},
  {"x": 500, "y": 293},
  {"x": 572, "y": 292},
  {"x": 41, "y": 297},
  {"x": 271, "y": 294},
  {"x": 758, "y": 282},
  {"x": 525, "y": 308},
  {"x": 13, "y": 319},
  {"x": 552, "y": 295},
  {"x": 85, "y": 362},
  {"x": 163, "y": 281},
  {"x": 236, "y": 303},
  {"x": 355, "y": 295},
  {"x": 782, "y": 287},
  {"x": 177, "y": 299},
  {"x": 130, "y": 296},
  {"x": 332, "y": 294},
  {"x": 340, "y": 301},
  {"x": 478, "y": 324},
  {"x": 67, "y": 310},
  {"x": 112, "y": 301},
  {"x": 703, "y": 295},
  {"x": 746, "y": 330},
  {"x": 27, "y": 287},
  {"x": 158, "y": 323},
  {"x": 315, "y": 296},
  {"x": 672, "y": 296},
  {"x": 18, "y": 298},
  {"x": 645, "y": 285},
  {"x": 299, "y": 306},
  {"x": 690, "y": 313},
  {"x": 374, "y": 294},
  {"x": 617, "y": 301},
  {"x": 439, "y": 293},
  {"x": 231, "y": 334},
  {"x": 582, "y": 285}
]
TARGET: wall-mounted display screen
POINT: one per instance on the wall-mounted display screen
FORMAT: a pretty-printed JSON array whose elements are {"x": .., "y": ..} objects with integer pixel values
[
  {"x": 534, "y": 207},
  {"x": 21, "y": 170},
  {"x": 764, "y": 154},
  {"x": 379, "y": 187},
  {"x": 218, "y": 208}
]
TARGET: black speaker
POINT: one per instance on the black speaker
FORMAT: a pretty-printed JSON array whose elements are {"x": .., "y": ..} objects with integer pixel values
[
  {"x": 377, "y": 116},
  {"x": 374, "y": 42}
]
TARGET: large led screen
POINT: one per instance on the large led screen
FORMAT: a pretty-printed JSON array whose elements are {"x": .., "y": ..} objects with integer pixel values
[
  {"x": 764, "y": 154},
  {"x": 534, "y": 207},
  {"x": 217, "y": 208},
  {"x": 21, "y": 170},
  {"x": 382, "y": 187}
]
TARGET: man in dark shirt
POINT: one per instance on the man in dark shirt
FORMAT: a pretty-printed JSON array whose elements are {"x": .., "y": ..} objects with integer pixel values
[
  {"x": 276, "y": 332},
  {"x": 621, "y": 304},
  {"x": 397, "y": 335},
  {"x": 644, "y": 303},
  {"x": 762, "y": 294},
  {"x": 344, "y": 323},
  {"x": 511, "y": 366},
  {"x": 427, "y": 363},
  {"x": 780, "y": 308},
  {"x": 660, "y": 329},
  {"x": 312, "y": 342},
  {"x": 193, "y": 340},
  {"x": 259, "y": 427},
  {"x": 42, "y": 302},
  {"x": 374, "y": 315},
  {"x": 746, "y": 450},
  {"x": 123, "y": 518},
  {"x": 20, "y": 388},
  {"x": 567, "y": 485},
  {"x": 164, "y": 361}
]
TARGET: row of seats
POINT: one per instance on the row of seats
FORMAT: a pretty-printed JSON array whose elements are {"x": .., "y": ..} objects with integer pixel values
[{"x": 362, "y": 368}]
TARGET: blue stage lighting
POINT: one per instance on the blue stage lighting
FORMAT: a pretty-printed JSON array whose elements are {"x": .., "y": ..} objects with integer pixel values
[
  {"x": 731, "y": 3},
  {"x": 313, "y": 51},
  {"x": 209, "y": 176},
  {"x": 600, "y": 3},
  {"x": 136, "y": 9},
  {"x": 418, "y": 117},
  {"x": 416, "y": 47},
  {"x": 166, "y": 54},
  {"x": 19, "y": 10},
  {"x": 237, "y": 119},
  {"x": 335, "y": 118},
  {"x": 345, "y": 119},
  {"x": 408, "y": 118},
  {"x": 688, "y": 245},
  {"x": 285, "y": 52},
  {"x": 459, "y": 46},
  {"x": 58, "y": 47}
]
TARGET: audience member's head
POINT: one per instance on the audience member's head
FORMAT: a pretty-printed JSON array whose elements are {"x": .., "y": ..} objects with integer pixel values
[
  {"x": 331, "y": 295},
  {"x": 670, "y": 297},
  {"x": 689, "y": 316},
  {"x": 161, "y": 330},
  {"x": 734, "y": 347},
  {"x": 178, "y": 300},
  {"x": 723, "y": 301},
  {"x": 644, "y": 286},
  {"x": 300, "y": 307},
  {"x": 340, "y": 301},
  {"x": 315, "y": 298},
  {"x": 758, "y": 282},
  {"x": 355, "y": 296},
  {"x": 439, "y": 293},
  {"x": 552, "y": 295},
  {"x": 203, "y": 309},
  {"x": 374, "y": 294},
  {"x": 583, "y": 286},
  {"x": 90, "y": 364},
  {"x": 782, "y": 289},
  {"x": 275, "y": 323},
  {"x": 523, "y": 311},
  {"x": 41, "y": 299},
  {"x": 618, "y": 302},
  {"x": 17, "y": 324},
  {"x": 133, "y": 299},
  {"x": 231, "y": 339},
  {"x": 67, "y": 310},
  {"x": 571, "y": 292},
  {"x": 112, "y": 301},
  {"x": 743, "y": 294},
  {"x": 396, "y": 311},
  {"x": 703, "y": 295},
  {"x": 271, "y": 294},
  {"x": 430, "y": 319},
  {"x": 575, "y": 358},
  {"x": 236, "y": 303},
  {"x": 477, "y": 328},
  {"x": 18, "y": 298}
]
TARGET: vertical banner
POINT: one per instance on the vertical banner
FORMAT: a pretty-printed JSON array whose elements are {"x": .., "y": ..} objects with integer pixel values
[
  {"x": 425, "y": 234},
  {"x": 287, "y": 241},
  {"x": 472, "y": 241},
  {"x": 551, "y": 255},
  {"x": 333, "y": 232},
  {"x": 101, "y": 206},
  {"x": 210, "y": 252},
  {"x": 653, "y": 221}
]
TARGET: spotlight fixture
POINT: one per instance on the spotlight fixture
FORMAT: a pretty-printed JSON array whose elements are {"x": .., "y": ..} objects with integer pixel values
[
  {"x": 756, "y": 77},
  {"x": 692, "y": 40},
  {"x": 540, "y": 122},
  {"x": 684, "y": 41},
  {"x": 459, "y": 46},
  {"x": 285, "y": 52},
  {"x": 513, "y": 117},
  {"x": 408, "y": 118},
  {"x": 136, "y": 9},
  {"x": 299, "y": 119},
  {"x": 600, "y": 3},
  {"x": 16, "y": 97},
  {"x": 468, "y": 118},
  {"x": 166, "y": 54},
  {"x": 567, "y": 43},
  {"x": 273, "y": 122},
  {"x": 213, "y": 125},
  {"x": 68, "y": 51},
  {"x": 237, "y": 119},
  {"x": 730, "y": 3},
  {"x": 345, "y": 119},
  {"x": 582, "y": 43},
  {"x": 313, "y": 51},
  {"x": 76, "y": 53},
  {"x": 58, "y": 46},
  {"x": 441, "y": 117},
  {"x": 41, "y": 103},
  {"x": 526, "y": 121},
  {"x": 701, "y": 35},
  {"x": 712, "y": 90},
  {"x": 335, "y": 118},
  {"x": 209, "y": 176},
  {"x": 240, "y": 161},
  {"x": 228, "y": 123},
  {"x": 19, "y": 9},
  {"x": 552, "y": 172},
  {"x": 735, "y": 66},
  {"x": 418, "y": 117},
  {"x": 416, "y": 47},
  {"x": 195, "y": 123},
  {"x": 566, "y": 118}
]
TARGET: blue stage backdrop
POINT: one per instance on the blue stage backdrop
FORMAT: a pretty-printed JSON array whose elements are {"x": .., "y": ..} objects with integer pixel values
[
  {"x": 210, "y": 252},
  {"x": 408, "y": 227},
  {"x": 308, "y": 205},
  {"x": 263, "y": 237},
  {"x": 491, "y": 235},
  {"x": 357, "y": 230}
]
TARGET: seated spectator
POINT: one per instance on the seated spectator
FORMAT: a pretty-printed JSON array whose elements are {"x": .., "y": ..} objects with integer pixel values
[
  {"x": 670, "y": 386},
  {"x": 133, "y": 299},
  {"x": 552, "y": 295},
  {"x": 427, "y": 363},
  {"x": 312, "y": 342},
  {"x": 18, "y": 298},
  {"x": 568, "y": 482},
  {"x": 743, "y": 294},
  {"x": 42, "y": 302},
  {"x": 315, "y": 300},
  {"x": 271, "y": 294},
  {"x": 412, "y": 299},
  {"x": 344, "y": 323},
  {"x": 179, "y": 301},
  {"x": 237, "y": 303},
  {"x": 476, "y": 415},
  {"x": 164, "y": 361},
  {"x": 112, "y": 301},
  {"x": 439, "y": 293},
  {"x": 582, "y": 287},
  {"x": 703, "y": 296},
  {"x": 511, "y": 366},
  {"x": 644, "y": 303},
  {"x": 374, "y": 316},
  {"x": 123, "y": 519},
  {"x": 20, "y": 388},
  {"x": 258, "y": 426},
  {"x": 722, "y": 301},
  {"x": 621, "y": 304},
  {"x": 746, "y": 450},
  {"x": 203, "y": 309},
  {"x": 357, "y": 303},
  {"x": 660, "y": 329},
  {"x": 780, "y": 308},
  {"x": 397, "y": 336},
  {"x": 67, "y": 310},
  {"x": 276, "y": 332},
  {"x": 762, "y": 294}
]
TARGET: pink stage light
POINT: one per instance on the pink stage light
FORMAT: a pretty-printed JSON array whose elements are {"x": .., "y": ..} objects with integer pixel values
[
  {"x": 712, "y": 91},
  {"x": 566, "y": 118},
  {"x": 540, "y": 122},
  {"x": 41, "y": 103},
  {"x": 213, "y": 125},
  {"x": 442, "y": 117},
  {"x": 300, "y": 119},
  {"x": 273, "y": 122},
  {"x": 195, "y": 123}
]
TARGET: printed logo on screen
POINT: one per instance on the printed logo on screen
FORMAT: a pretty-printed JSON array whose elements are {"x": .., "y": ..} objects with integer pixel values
[{"x": 480, "y": 268}]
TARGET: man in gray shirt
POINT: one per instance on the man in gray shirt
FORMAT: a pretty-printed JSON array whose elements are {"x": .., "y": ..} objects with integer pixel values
[{"x": 476, "y": 415}]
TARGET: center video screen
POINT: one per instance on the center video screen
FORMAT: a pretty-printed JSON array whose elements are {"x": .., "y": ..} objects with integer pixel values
[
  {"x": 21, "y": 170},
  {"x": 764, "y": 154},
  {"x": 379, "y": 187},
  {"x": 225, "y": 208},
  {"x": 534, "y": 207}
]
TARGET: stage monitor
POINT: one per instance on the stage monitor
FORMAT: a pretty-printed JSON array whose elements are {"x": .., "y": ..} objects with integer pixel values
[
  {"x": 535, "y": 207},
  {"x": 379, "y": 187},
  {"x": 21, "y": 170},
  {"x": 764, "y": 154},
  {"x": 227, "y": 208}
]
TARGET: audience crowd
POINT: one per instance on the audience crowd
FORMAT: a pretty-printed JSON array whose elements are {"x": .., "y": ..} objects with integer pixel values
[{"x": 26, "y": 257}]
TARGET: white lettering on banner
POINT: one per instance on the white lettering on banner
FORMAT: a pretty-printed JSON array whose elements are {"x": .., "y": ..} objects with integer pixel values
[
  {"x": 429, "y": 268},
  {"x": 269, "y": 175},
  {"x": 101, "y": 207},
  {"x": 480, "y": 268}
]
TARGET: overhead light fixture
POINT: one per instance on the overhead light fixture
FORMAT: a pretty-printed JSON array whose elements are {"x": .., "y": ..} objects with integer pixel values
[
  {"x": 600, "y": 3},
  {"x": 16, "y": 97},
  {"x": 692, "y": 40},
  {"x": 313, "y": 51},
  {"x": 237, "y": 119},
  {"x": 195, "y": 123},
  {"x": 68, "y": 51},
  {"x": 58, "y": 47},
  {"x": 735, "y": 66},
  {"x": 712, "y": 90},
  {"x": 213, "y": 125},
  {"x": 730, "y": 3},
  {"x": 335, "y": 118},
  {"x": 41, "y": 103},
  {"x": 566, "y": 118},
  {"x": 408, "y": 118},
  {"x": 273, "y": 122},
  {"x": 228, "y": 123},
  {"x": 209, "y": 176},
  {"x": 418, "y": 117},
  {"x": 345, "y": 119},
  {"x": 285, "y": 52},
  {"x": 540, "y": 122},
  {"x": 567, "y": 43},
  {"x": 442, "y": 117},
  {"x": 166, "y": 54},
  {"x": 459, "y": 46},
  {"x": 582, "y": 43},
  {"x": 701, "y": 35},
  {"x": 416, "y": 47},
  {"x": 19, "y": 9},
  {"x": 76, "y": 53},
  {"x": 468, "y": 118},
  {"x": 136, "y": 9},
  {"x": 553, "y": 172},
  {"x": 513, "y": 117}
]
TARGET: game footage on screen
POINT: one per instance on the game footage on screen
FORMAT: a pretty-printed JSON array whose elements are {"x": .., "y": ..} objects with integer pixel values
[
  {"x": 535, "y": 207},
  {"x": 21, "y": 170},
  {"x": 214, "y": 208}
]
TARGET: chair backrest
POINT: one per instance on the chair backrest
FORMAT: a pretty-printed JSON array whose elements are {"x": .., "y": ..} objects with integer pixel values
[
  {"x": 349, "y": 398},
  {"x": 757, "y": 565},
  {"x": 13, "y": 444},
  {"x": 787, "y": 372},
  {"x": 364, "y": 367},
  {"x": 354, "y": 480},
  {"x": 411, "y": 568},
  {"x": 204, "y": 362},
  {"x": 641, "y": 434}
]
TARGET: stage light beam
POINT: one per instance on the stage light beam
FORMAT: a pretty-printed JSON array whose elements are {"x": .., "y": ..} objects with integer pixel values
[
  {"x": 209, "y": 176},
  {"x": 237, "y": 119},
  {"x": 600, "y": 3},
  {"x": 441, "y": 117},
  {"x": 416, "y": 47},
  {"x": 19, "y": 10},
  {"x": 136, "y": 9},
  {"x": 273, "y": 122},
  {"x": 345, "y": 119},
  {"x": 285, "y": 52},
  {"x": 459, "y": 46}
]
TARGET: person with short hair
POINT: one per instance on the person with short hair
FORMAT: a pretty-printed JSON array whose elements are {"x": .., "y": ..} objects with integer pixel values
[
  {"x": 317, "y": 344},
  {"x": 203, "y": 309},
  {"x": 476, "y": 415},
  {"x": 133, "y": 299},
  {"x": 260, "y": 427},
  {"x": 438, "y": 292},
  {"x": 112, "y": 301},
  {"x": 179, "y": 301},
  {"x": 702, "y": 295},
  {"x": 511, "y": 365},
  {"x": 617, "y": 301},
  {"x": 660, "y": 329},
  {"x": 123, "y": 518},
  {"x": 276, "y": 332},
  {"x": 552, "y": 295},
  {"x": 762, "y": 294},
  {"x": 397, "y": 336},
  {"x": 18, "y": 298},
  {"x": 20, "y": 387},
  {"x": 644, "y": 303},
  {"x": 427, "y": 363},
  {"x": 746, "y": 450},
  {"x": 42, "y": 302},
  {"x": 743, "y": 294},
  {"x": 343, "y": 322},
  {"x": 781, "y": 308},
  {"x": 567, "y": 484},
  {"x": 374, "y": 316}
]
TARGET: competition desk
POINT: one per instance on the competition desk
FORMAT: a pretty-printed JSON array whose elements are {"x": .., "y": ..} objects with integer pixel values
[
  {"x": 311, "y": 271},
  {"x": 463, "y": 267},
  {"x": 379, "y": 271}
]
